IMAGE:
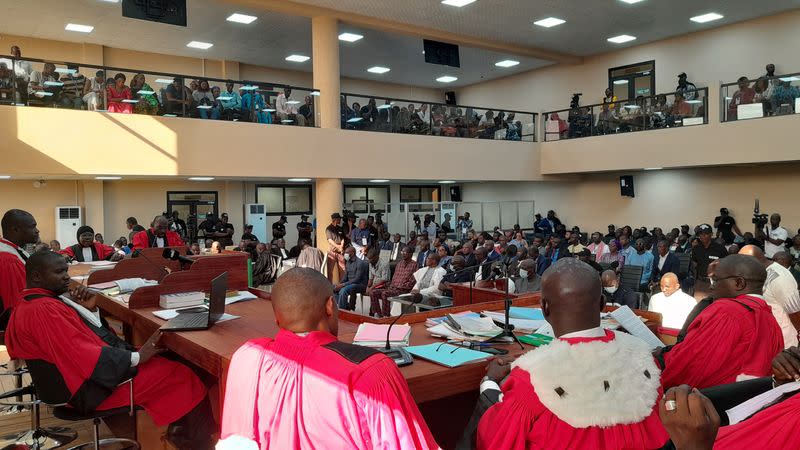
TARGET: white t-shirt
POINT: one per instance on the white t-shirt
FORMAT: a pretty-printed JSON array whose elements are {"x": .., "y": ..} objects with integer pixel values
[
  {"x": 780, "y": 292},
  {"x": 674, "y": 309},
  {"x": 780, "y": 234}
]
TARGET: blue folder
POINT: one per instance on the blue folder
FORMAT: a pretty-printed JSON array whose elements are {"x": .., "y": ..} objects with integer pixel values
[
  {"x": 445, "y": 354},
  {"x": 517, "y": 312}
]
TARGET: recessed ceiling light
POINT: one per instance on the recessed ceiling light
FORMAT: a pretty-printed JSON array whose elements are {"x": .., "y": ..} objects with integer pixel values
[
  {"x": 299, "y": 180},
  {"x": 107, "y": 178},
  {"x": 549, "y": 22},
  {"x": 630, "y": 2},
  {"x": 620, "y": 81},
  {"x": 5, "y": 177},
  {"x": 506, "y": 63},
  {"x": 297, "y": 58},
  {"x": 447, "y": 182},
  {"x": 241, "y": 18},
  {"x": 79, "y": 28},
  {"x": 446, "y": 79},
  {"x": 378, "y": 181},
  {"x": 378, "y": 69},
  {"x": 653, "y": 168},
  {"x": 350, "y": 37},
  {"x": 200, "y": 45},
  {"x": 201, "y": 178},
  {"x": 710, "y": 17},
  {"x": 458, "y": 3},
  {"x": 622, "y": 38}
]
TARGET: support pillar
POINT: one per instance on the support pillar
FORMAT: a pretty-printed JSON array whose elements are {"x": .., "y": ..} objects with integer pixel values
[
  {"x": 325, "y": 58},
  {"x": 328, "y": 199}
]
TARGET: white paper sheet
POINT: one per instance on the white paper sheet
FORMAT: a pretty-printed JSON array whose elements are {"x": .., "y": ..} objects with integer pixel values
[
  {"x": 746, "y": 409},
  {"x": 633, "y": 325}
]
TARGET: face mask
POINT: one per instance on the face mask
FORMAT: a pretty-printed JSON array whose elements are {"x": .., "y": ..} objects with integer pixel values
[
  {"x": 347, "y": 257},
  {"x": 611, "y": 289},
  {"x": 523, "y": 273}
]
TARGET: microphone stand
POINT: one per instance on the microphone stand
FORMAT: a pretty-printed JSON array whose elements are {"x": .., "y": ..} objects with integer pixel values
[
  {"x": 399, "y": 355},
  {"x": 508, "y": 329}
]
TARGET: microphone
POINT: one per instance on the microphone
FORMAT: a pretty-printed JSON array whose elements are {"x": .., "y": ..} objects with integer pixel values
[
  {"x": 399, "y": 355},
  {"x": 138, "y": 252},
  {"x": 172, "y": 254}
]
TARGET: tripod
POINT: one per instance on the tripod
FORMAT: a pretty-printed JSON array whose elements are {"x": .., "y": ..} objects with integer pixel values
[{"x": 508, "y": 329}]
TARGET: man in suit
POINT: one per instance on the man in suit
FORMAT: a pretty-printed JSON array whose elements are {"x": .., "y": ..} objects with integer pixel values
[
  {"x": 395, "y": 245},
  {"x": 424, "y": 251},
  {"x": 493, "y": 254},
  {"x": 665, "y": 262},
  {"x": 614, "y": 293}
]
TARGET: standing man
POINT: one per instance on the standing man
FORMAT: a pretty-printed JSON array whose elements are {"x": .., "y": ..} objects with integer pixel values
[
  {"x": 133, "y": 227},
  {"x": 687, "y": 88},
  {"x": 704, "y": 254},
  {"x": 158, "y": 235},
  {"x": 355, "y": 280},
  {"x": 773, "y": 235},
  {"x": 726, "y": 226},
  {"x": 304, "y": 228},
  {"x": 178, "y": 225},
  {"x": 335, "y": 237},
  {"x": 224, "y": 231},
  {"x": 361, "y": 239},
  {"x": 19, "y": 230},
  {"x": 279, "y": 228},
  {"x": 666, "y": 262}
]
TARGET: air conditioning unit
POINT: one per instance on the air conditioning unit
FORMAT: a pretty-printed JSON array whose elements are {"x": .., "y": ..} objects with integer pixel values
[
  {"x": 255, "y": 214},
  {"x": 68, "y": 220}
]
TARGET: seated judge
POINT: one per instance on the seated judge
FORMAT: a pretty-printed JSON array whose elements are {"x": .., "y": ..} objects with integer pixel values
[
  {"x": 87, "y": 250},
  {"x": 672, "y": 303},
  {"x": 590, "y": 388},
  {"x": 159, "y": 235},
  {"x": 306, "y": 389},
  {"x": 734, "y": 338},
  {"x": 616, "y": 294},
  {"x": 67, "y": 333}
]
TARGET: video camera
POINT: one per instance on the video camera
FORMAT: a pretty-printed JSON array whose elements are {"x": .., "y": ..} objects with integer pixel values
[{"x": 759, "y": 219}]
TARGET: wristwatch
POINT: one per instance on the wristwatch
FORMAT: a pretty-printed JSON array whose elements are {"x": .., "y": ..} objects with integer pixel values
[{"x": 488, "y": 378}]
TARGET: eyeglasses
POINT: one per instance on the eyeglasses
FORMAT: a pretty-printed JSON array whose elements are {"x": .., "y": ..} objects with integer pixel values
[{"x": 454, "y": 349}]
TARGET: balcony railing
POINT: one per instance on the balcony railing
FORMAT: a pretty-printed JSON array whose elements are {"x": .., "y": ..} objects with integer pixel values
[
  {"x": 37, "y": 82},
  {"x": 675, "y": 109},
  {"x": 762, "y": 97},
  {"x": 392, "y": 115}
]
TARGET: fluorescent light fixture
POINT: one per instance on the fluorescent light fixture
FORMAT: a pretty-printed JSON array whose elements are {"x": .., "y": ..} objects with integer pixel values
[
  {"x": 53, "y": 83},
  {"x": 447, "y": 182},
  {"x": 299, "y": 180},
  {"x": 287, "y": 121},
  {"x": 790, "y": 79},
  {"x": 5, "y": 177},
  {"x": 64, "y": 70},
  {"x": 204, "y": 106},
  {"x": 506, "y": 63},
  {"x": 297, "y": 58},
  {"x": 316, "y": 93},
  {"x": 549, "y": 22},
  {"x": 79, "y": 28},
  {"x": 145, "y": 92},
  {"x": 224, "y": 98},
  {"x": 293, "y": 102},
  {"x": 631, "y": 2},
  {"x": 355, "y": 120},
  {"x": 378, "y": 69},
  {"x": 127, "y": 100},
  {"x": 621, "y": 39},
  {"x": 201, "y": 178},
  {"x": 378, "y": 181},
  {"x": 620, "y": 81},
  {"x": 694, "y": 102},
  {"x": 200, "y": 45},
  {"x": 164, "y": 80},
  {"x": 107, "y": 178},
  {"x": 241, "y": 18},
  {"x": 170, "y": 115},
  {"x": 457, "y": 3},
  {"x": 652, "y": 168},
  {"x": 710, "y": 17},
  {"x": 446, "y": 79},
  {"x": 248, "y": 88},
  {"x": 350, "y": 37}
]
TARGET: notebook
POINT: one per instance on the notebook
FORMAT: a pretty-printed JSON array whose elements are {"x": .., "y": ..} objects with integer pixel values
[
  {"x": 447, "y": 355},
  {"x": 374, "y": 335},
  {"x": 518, "y": 312}
]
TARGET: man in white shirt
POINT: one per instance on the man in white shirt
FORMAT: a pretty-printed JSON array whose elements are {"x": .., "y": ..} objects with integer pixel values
[
  {"x": 286, "y": 108},
  {"x": 780, "y": 292},
  {"x": 426, "y": 289},
  {"x": 773, "y": 235},
  {"x": 672, "y": 303}
]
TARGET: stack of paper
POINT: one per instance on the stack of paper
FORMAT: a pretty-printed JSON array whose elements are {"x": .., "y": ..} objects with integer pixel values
[
  {"x": 633, "y": 325},
  {"x": 465, "y": 328},
  {"x": 181, "y": 299},
  {"x": 123, "y": 286},
  {"x": 374, "y": 335},
  {"x": 433, "y": 321},
  {"x": 523, "y": 325},
  {"x": 238, "y": 296}
]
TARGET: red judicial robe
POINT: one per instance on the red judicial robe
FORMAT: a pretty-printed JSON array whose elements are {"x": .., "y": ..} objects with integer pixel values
[
  {"x": 578, "y": 393},
  {"x": 146, "y": 239},
  {"x": 777, "y": 427},
  {"x": 730, "y": 339},
  {"x": 100, "y": 252},
  {"x": 12, "y": 273},
  {"x": 317, "y": 392},
  {"x": 92, "y": 363}
]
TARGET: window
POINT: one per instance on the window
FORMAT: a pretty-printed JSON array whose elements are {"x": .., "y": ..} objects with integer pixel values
[
  {"x": 633, "y": 80},
  {"x": 412, "y": 194},
  {"x": 367, "y": 199},
  {"x": 285, "y": 199}
]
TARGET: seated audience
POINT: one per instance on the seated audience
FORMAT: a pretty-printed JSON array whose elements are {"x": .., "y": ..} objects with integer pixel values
[
  {"x": 586, "y": 256},
  {"x": 616, "y": 294},
  {"x": 672, "y": 303},
  {"x": 147, "y": 102},
  {"x": 55, "y": 246},
  {"x": 87, "y": 250},
  {"x": 266, "y": 266},
  {"x": 379, "y": 271},
  {"x": 356, "y": 276},
  {"x": 444, "y": 257},
  {"x": 427, "y": 280},
  {"x": 402, "y": 282},
  {"x": 117, "y": 93},
  {"x": 664, "y": 262},
  {"x": 613, "y": 258},
  {"x": 215, "y": 248},
  {"x": 310, "y": 257},
  {"x": 204, "y": 101},
  {"x": 93, "y": 91},
  {"x": 72, "y": 90},
  {"x": 230, "y": 102},
  {"x": 178, "y": 98},
  {"x": 644, "y": 259},
  {"x": 528, "y": 280}
]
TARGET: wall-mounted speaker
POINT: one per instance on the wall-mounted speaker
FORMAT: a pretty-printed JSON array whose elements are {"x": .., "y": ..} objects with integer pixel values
[
  {"x": 626, "y": 186},
  {"x": 455, "y": 193}
]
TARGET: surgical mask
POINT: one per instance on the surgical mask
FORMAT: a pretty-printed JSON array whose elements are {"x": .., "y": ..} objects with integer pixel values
[
  {"x": 523, "y": 273},
  {"x": 347, "y": 257},
  {"x": 610, "y": 289}
]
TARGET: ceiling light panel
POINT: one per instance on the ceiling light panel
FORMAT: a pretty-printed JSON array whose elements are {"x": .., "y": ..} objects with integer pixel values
[
  {"x": 200, "y": 45},
  {"x": 549, "y": 22},
  {"x": 710, "y": 17},
  {"x": 506, "y": 63},
  {"x": 457, "y": 3},
  {"x": 241, "y": 18},
  {"x": 350, "y": 37},
  {"x": 621, "y": 39},
  {"x": 446, "y": 79},
  {"x": 79, "y": 28},
  {"x": 297, "y": 58},
  {"x": 378, "y": 69}
]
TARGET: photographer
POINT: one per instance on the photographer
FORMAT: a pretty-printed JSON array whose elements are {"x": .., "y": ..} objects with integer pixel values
[
  {"x": 772, "y": 234},
  {"x": 726, "y": 226}
]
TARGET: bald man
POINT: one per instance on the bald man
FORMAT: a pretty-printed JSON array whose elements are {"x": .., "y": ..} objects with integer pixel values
[
  {"x": 159, "y": 235},
  {"x": 589, "y": 389},
  {"x": 672, "y": 303},
  {"x": 19, "y": 229},
  {"x": 780, "y": 293},
  {"x": 306, "y": 389},
  {"x": 734, "y": 338}
]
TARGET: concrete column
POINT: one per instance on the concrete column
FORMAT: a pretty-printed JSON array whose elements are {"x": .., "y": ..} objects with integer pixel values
[
  {"x": 325, "y": 57},
  {"x": 328, "y": 199},
  {"x": 94, "y": 207}
]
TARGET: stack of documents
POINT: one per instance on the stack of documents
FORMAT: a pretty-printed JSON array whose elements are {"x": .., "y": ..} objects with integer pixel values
[
  {"x": 433, "y": 321},
  {"x": 750, "y": 407},
  {"x": 181, "y": 299},
  {"x": 123, "y": 286},
  {"x": 525, "y": 320},
  {"x": 232, "y": 297},
  {"x": 374, "y": 335},
  {"x": 448, "y": 355},
  {"x": 465, "y": 328}
]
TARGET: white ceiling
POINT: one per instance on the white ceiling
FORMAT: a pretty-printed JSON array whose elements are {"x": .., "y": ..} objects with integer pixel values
[{"x": 265, "y": 42}]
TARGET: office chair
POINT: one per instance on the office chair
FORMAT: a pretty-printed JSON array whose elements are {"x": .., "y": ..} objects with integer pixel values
[{"x": 630, "y": 277}]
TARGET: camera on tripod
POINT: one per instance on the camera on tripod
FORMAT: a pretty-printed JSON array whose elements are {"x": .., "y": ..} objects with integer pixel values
[{"x": 759, "y": 219}]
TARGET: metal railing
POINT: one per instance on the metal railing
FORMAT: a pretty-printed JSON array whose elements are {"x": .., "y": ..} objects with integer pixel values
[{"x": 760, "y": 97}]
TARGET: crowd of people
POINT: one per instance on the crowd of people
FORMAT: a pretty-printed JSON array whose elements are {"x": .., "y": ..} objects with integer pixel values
[{"x": 775, "y": 94}]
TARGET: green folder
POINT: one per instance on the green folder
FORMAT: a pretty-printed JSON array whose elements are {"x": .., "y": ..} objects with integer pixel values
[{"x": 535, "y": 339}]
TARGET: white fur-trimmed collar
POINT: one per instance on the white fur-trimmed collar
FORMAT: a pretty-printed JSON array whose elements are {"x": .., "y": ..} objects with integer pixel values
[
  {"x": 5, "y": 247},
  {"x": 600, "y": 383}
]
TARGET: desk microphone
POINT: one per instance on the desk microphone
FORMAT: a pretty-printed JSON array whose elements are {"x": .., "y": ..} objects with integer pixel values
[
  {"x": 172, "y": 254},
  {"x": 399, "y": 355},
  {"x": 138, "y": 252}
]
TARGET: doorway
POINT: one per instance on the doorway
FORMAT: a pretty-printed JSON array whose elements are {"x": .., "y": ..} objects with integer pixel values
[
  {"x": 633, "y": 80},
  {"x": 193, "y": 207}
]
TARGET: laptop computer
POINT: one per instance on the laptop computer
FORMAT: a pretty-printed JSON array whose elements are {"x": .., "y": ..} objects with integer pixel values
[{"x": 202, "y": 320}]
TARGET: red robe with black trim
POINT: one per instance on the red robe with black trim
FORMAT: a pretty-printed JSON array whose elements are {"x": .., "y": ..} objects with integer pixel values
[
  {"x": 730, "y": 338},
  {"x": 142, "y": 240},
  {"x": 102, "y": 251},
  {"x": 44, "y": 328},
  {"x": 777, "y": 427},
  {"x": 12, "y": 273},
  {"x": 578, "y": 394}
]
